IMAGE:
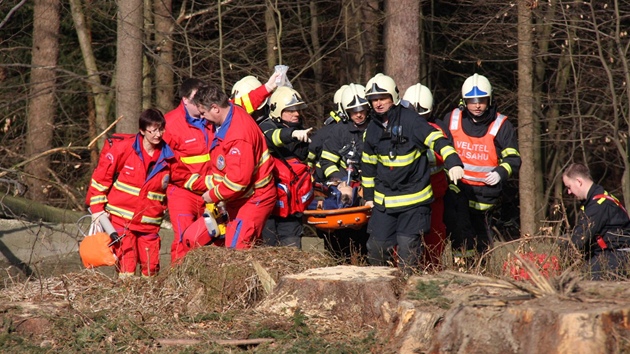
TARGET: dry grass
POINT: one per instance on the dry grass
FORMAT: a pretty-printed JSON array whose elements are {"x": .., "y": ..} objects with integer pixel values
[{"x": 206, "y": 298}]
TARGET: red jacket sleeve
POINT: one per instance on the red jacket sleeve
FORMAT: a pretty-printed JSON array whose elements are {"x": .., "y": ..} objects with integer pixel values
[
  {"x": 252, "y": 100},
  {"x": 102, "y": 179}
]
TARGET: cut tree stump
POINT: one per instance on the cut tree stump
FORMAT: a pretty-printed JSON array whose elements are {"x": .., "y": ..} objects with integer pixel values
[{"x": 359, "y": 296}]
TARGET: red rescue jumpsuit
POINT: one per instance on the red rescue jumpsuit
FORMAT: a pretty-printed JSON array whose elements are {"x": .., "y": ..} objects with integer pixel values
[
  {"x": 241, "y": 176},
  {"x": 135, "y": 200},
  {"x": 189, "y": 138}
]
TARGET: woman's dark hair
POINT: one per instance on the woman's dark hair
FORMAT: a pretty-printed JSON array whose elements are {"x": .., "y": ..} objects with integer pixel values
[{"x": 151, "y": 117}]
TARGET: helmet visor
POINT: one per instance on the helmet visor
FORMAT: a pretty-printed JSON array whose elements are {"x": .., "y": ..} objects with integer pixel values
[
  {"x": 477, "y": 100},
  {"x": 295, "y": 104}
]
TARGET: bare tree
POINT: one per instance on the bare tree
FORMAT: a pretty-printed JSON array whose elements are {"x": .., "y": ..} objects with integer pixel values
[
  {"x": 129, "y": 58},
  {"x": 402, "y": 35},
  {"x": 164, "y": 78},
  {"x": 42, "y": 106},
  {"x": 527, "y": 125},
  {"x": 101, "y": 94}
]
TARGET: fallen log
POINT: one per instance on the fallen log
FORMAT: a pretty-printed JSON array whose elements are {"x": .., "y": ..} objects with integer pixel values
[{"x": 21, "y": 208}]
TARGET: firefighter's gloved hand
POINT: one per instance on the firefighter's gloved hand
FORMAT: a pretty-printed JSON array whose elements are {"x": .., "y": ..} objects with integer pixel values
[
  {"x": 456, "y": 173},
  {"x": 370, "y": 203},
  {"x": 272, "y": 83},
  {"x": 492, "y": 178},
  {"x": 98, "y": 214},
  {"x": 302, "y": 135}
]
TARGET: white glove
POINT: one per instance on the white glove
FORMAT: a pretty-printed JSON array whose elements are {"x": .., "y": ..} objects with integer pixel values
[
  {"x": 370, "y": 203},
  {"x": 97, "y": 215},
  {"x": 492, "y": 178},
  {"x": 272, "y": 83},
  {"x": 456, "y": 173},
  {"x": 302, "y": 135}
]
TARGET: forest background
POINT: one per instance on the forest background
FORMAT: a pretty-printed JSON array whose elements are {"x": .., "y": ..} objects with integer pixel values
[{"x": 559, "y": 69}]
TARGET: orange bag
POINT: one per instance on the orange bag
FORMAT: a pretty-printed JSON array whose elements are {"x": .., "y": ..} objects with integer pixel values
[{"x": 95, "y": 251}]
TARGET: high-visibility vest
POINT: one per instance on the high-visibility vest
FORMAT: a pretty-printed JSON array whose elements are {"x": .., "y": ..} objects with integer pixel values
[{"x": 478, "y": 154}]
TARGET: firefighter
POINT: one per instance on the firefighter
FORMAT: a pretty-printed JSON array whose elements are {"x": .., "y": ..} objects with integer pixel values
[
  {"x": 188, "y": 135},
  {"x": 395, "y": 175},
  {"x": 486, "y": 141},
  {"x": 129, "y": 186},
  {"x": 321, "y": 135},
  {"x": 240, "y": 173},
  {"x": 603, "y": 226},
  {"x": 421, "y": 99},
  {"x": 249, "y": 88},
  {"x": 340, "y": 162},
  {"x": 288, "y": 140}
]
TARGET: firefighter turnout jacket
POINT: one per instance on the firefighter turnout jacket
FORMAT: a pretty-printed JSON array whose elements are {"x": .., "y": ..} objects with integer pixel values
[
  {"x": 344, "y": 143},
  {"x": 395, "y": 168},
  {"x": 279, "y": 135},
  {"x": 601, "y": 214},
  {"x": 122, "y": 185}
]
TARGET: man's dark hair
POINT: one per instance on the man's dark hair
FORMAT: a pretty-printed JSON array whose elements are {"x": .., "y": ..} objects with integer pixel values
[
  {"x": 151, "y": 117},
  {"x": 188, "y": 86},
  {"x": 578, "y": 170},
  {"x": 209, "y": 94}
]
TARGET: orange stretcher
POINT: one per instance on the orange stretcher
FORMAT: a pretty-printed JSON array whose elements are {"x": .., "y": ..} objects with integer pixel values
[{"x": 334, "y": 219}]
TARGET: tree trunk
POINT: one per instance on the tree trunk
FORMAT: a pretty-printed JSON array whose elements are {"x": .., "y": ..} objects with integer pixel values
[
  {"x": 270, "y": 26},
  {"x": 100, "y": 94},
  {"x": 402, "y": 60},
  {"x": 371, "y": 33},
  {"x": 164, "y": 78},
  {"x": 527, "y": 124},
  {"x": 129, "y": 64},
  {"x": 317, "y": 63},
  {"x": 42, "y": 106},
  {"x": 147, "y": 79}
]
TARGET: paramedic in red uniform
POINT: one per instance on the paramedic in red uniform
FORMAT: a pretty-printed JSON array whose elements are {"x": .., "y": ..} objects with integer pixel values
[
  {"x": 240, "y": 171},
  {"x": 188, "y": 135},
  {"x": 130, "y": 184},
  {"x": 486, "y": 142}
]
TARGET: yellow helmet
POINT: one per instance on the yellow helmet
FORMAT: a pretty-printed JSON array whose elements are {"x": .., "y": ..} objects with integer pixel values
[
  {"x": 420, "y": 98},
  {"x": 245, "y": 86},
  {"x": 380, "y": 85},
  {"x": 477, "y": 86},
  {"x": 284, "y": 98}
]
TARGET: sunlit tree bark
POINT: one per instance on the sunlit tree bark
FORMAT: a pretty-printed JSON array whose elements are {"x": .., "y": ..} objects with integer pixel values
[
  {"x": 129, "y": 64},
  {"x": 402, "y": 56},
  {"x": 42, "y": 106}
]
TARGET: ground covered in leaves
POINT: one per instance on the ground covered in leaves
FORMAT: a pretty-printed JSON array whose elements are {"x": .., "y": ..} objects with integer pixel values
[{"x": 201, "y": 306}]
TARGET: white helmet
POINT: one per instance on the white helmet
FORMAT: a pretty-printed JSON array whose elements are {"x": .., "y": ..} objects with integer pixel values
[
  {"x": 382, "y": 84},
  {"x": 420, "y": 98},
  {"x": 245, "y": 86},
  {"x": 337, "y": 97},
  {"x": 284, "y": 98},
  {"x": 477, "y": 86},
  {"x": 353, "y": 99}
]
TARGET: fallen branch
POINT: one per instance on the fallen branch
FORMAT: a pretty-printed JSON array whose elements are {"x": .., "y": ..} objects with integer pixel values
[{"x": 226, "y": 342}]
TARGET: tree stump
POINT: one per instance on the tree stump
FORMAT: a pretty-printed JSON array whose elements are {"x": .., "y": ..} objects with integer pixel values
[{"x": 358, "y": 296}]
